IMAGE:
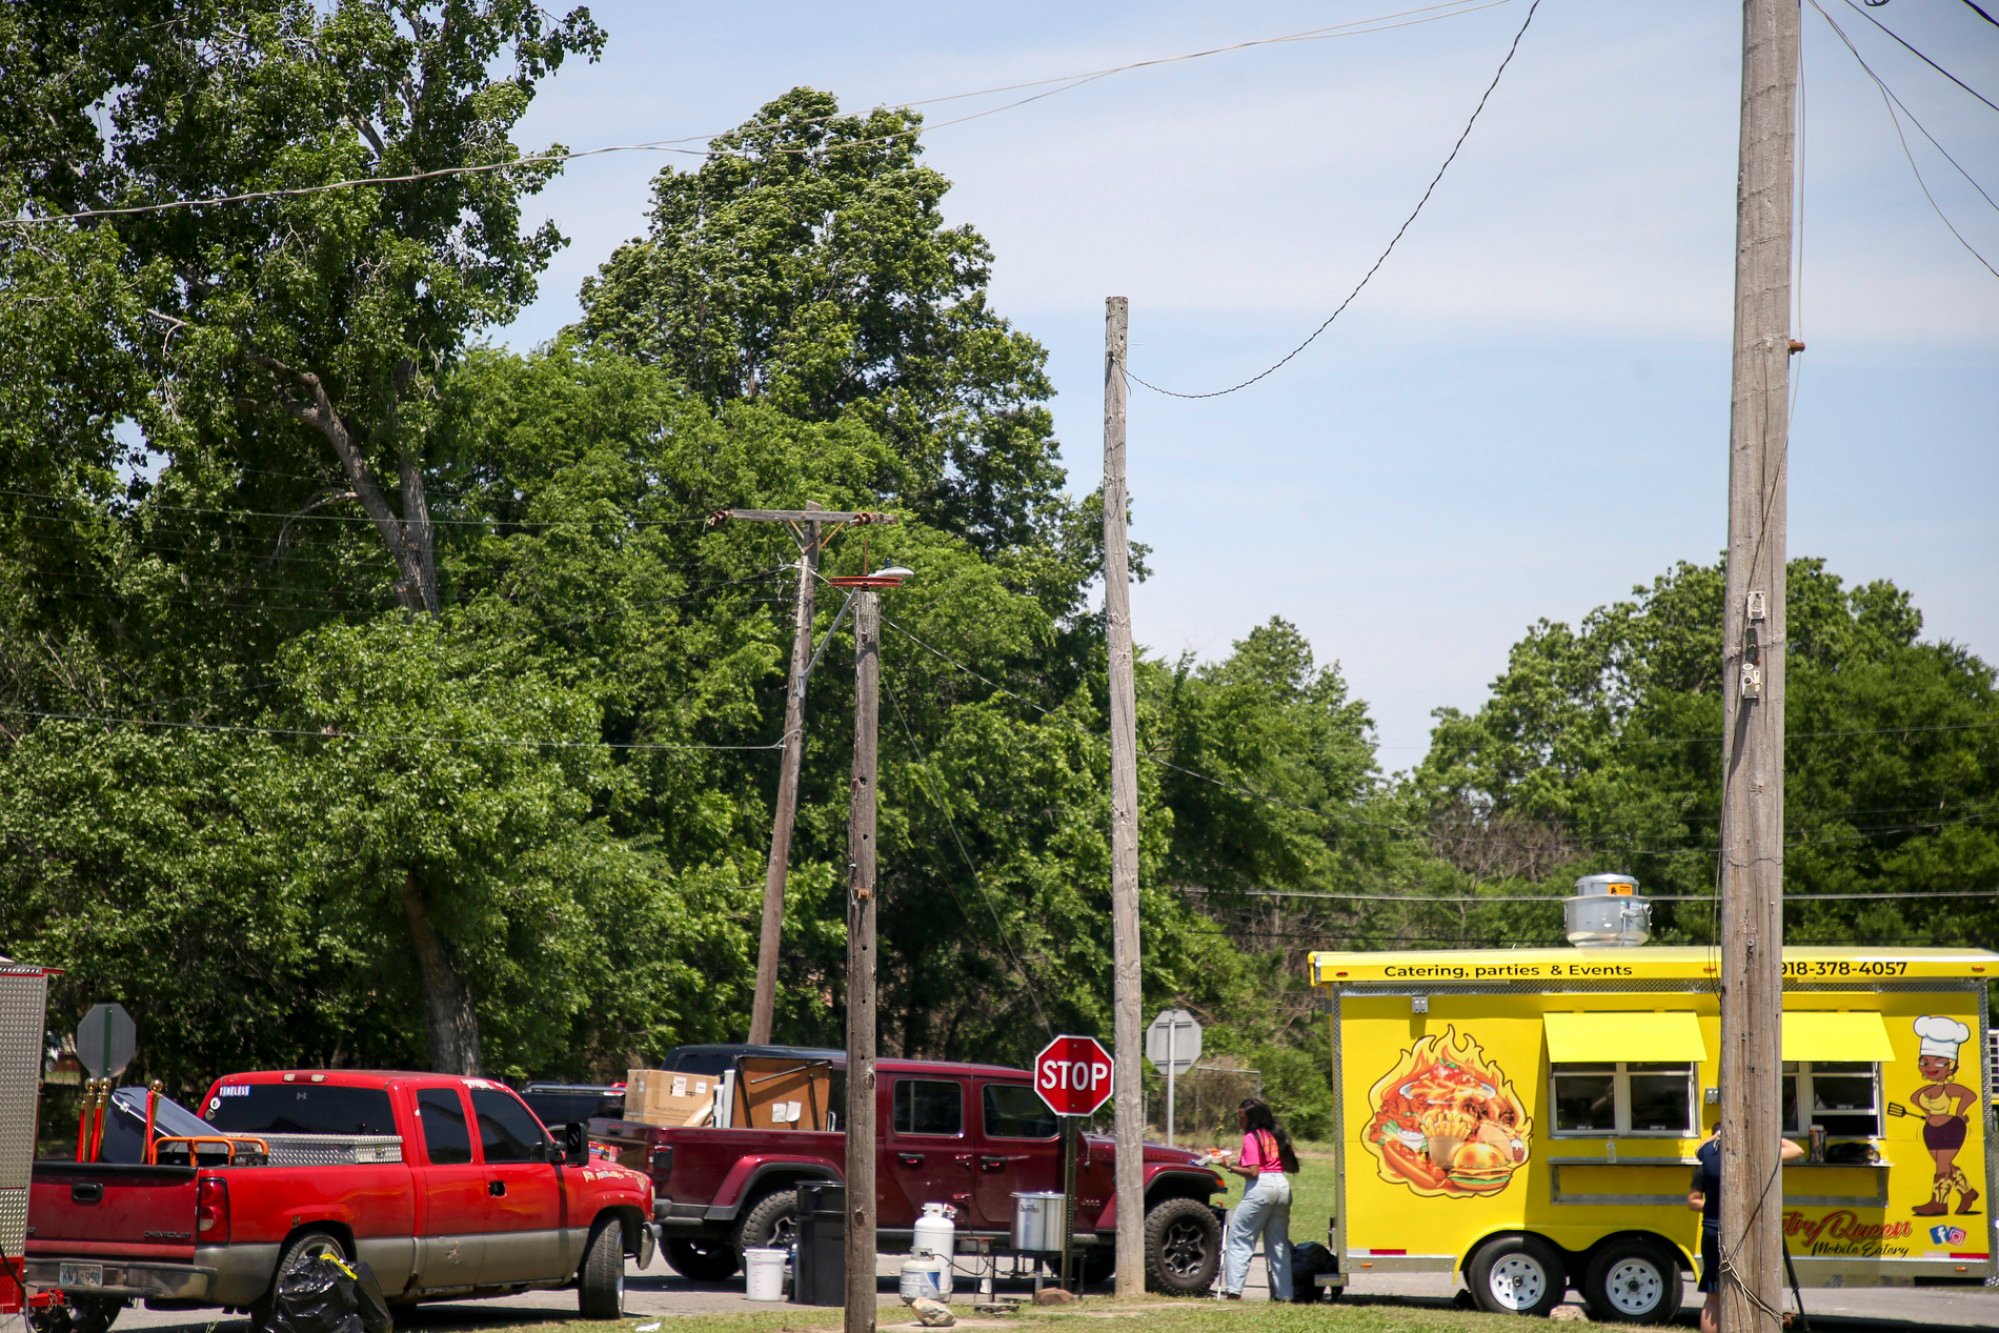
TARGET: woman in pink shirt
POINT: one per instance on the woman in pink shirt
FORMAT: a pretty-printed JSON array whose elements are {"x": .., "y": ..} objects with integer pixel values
[{"x": 1267, "y": 1161}]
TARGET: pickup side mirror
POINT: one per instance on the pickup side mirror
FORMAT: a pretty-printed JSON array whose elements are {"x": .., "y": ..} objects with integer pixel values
[{"x": 573, "y": 1145}]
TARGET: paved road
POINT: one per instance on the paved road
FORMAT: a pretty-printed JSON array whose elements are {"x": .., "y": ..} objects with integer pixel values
[{"x": 659, "y": 1292}]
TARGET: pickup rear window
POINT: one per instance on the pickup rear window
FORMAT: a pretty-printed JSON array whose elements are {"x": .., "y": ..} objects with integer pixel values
[{"x": 293, "y": 1108}]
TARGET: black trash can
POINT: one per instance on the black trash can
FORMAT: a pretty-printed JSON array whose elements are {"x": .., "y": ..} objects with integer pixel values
[{"x": 819, "y": 1275}]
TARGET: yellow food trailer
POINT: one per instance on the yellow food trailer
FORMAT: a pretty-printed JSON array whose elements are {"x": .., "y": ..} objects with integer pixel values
[{"x": 1528, "y": 1118}]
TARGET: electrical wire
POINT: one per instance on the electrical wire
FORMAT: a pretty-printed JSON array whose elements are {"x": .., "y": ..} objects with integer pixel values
[
  {"x": 436, "y": 521},
  {"x": 1891, "y": 103},
  {"x": 1066, "y": 82},
  {"x": 1920, "y": 56},
  {"x": 1922, "y": 895},
  {"x": 334, "y": 733},
  {"x": 1380, "y": 259}
]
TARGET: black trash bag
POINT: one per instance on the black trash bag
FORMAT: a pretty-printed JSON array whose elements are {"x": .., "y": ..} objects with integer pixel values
[
  {"x": 321, "y": 1293},
  {"x": 371, "y": 1304},
  {"x": 1308, "y": 1260}
]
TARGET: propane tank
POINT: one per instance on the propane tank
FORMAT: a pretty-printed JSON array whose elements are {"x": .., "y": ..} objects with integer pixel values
[{"x": 935, "y": 1235}]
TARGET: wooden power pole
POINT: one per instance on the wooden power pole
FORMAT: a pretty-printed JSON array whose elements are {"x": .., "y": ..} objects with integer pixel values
[
  {"x": 1126, "y": 986},
  {"x": 861, "y": 1220},
  {"x": 770, "y": 941},
  {"x": 1752, "y": 812}
]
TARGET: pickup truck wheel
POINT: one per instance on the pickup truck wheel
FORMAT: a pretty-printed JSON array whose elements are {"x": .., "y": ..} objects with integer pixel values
[
  {"x": 82, "y": 1314},
  {"x": 772, "y": 1224},
  {"x": 701, "y": 1261},
  {"x": 1183, "y": 1247},
  {"x": 302, "y": 1246},
  {"x": 600, "y": 1282}
]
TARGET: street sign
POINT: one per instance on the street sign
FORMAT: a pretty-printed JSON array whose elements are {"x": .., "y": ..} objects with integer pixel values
[
  {"x": 1073, "y": 1075},
  {"x": 106, "y": 1040},
  {"x": 1173, "y": 1042}
]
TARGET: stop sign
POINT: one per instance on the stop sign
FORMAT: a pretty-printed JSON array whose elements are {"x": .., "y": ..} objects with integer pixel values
[{"x": 1073, "y": 1075}]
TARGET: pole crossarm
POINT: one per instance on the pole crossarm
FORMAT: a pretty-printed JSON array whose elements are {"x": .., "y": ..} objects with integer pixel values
[{"x": 855, "y": 517}]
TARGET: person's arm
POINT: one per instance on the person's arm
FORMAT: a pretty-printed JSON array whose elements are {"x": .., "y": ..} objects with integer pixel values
[
  {"x": 1792, "y": 1150},
  {"x": 1696, "y": 1201}
]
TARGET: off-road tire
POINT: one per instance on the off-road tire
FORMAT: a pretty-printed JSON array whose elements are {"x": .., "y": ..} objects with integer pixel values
[
  {"x": 771, "y": 1223},
  {"x": 702, "y": 1260},
  {"x": 1183, "y": 1247},
  {"x": 600, "y": 1280},
  {"x": 80, "y": 1314},
  {"x": 298, "y": 1247},
  {"x": 1517, "y": 1275},
  {"x": 1632, "y": 1281}
]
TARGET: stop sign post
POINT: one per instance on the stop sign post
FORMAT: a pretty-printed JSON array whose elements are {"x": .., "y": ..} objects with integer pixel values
[{"x": 1073, "y": 1076}]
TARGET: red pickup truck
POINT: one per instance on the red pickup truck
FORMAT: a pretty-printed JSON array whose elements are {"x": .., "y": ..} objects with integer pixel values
[
  {"x": 968, "y": 1135},
  {"x": 446, "y": 1186}
]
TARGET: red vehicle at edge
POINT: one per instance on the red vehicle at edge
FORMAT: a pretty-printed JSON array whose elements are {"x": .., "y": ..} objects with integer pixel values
[
  {"x": 963, "y": 1134},
  {"x": 482, "y": 1201}
]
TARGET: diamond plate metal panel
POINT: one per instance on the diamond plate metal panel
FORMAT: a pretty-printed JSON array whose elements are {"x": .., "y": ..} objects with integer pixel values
[
  {"x": 13, "y": 1220},
  {"x": 23, "y": 1008},
  {"x": 332, "y": 1149}
]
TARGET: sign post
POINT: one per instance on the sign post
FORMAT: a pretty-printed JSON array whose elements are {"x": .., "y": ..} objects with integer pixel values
[
  {"x": 106, "y": 1040},
  {"x": 1173, "y": 1044},
  {"x": 1073, "y": 1077}
]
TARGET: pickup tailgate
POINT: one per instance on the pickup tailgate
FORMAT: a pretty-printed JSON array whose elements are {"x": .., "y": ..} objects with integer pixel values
[{"x": 131, "y": 1212}]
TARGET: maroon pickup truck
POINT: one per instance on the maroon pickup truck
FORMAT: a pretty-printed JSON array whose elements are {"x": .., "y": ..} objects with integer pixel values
[
  {"x": 446, "y": 1186},
  {"x": 968, "y": 1135}
]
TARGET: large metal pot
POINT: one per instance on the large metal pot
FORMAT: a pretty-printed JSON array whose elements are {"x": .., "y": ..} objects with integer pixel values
[{"x": 1037, "y": 1222}]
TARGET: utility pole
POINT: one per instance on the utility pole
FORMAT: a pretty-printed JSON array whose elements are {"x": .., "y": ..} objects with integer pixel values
[
  {"x": 1126, "y": 996},
  {"x": 805, "y": 527},
  {"x": 1752, "y": 812},
  {"x": 860, "y": 1303}
]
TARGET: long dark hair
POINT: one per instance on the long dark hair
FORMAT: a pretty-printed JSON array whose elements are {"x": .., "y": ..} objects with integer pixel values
[{"x": 1257, "y": 1117}]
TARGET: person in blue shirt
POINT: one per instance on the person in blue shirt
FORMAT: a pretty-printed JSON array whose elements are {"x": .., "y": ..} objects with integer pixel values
[{"x": 1705, "y": 1199}]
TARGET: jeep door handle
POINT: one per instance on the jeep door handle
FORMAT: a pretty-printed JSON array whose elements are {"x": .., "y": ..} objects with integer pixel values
[
  {"x": 496, "y": 1188},
  {"x": 995, "y": 1163},
  {"x": 909, "y": 1158}
]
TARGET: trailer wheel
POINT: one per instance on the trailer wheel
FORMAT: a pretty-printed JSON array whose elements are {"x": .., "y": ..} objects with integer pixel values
[
  {"x": 1183, "y": 1247},
  {"x": 702, "y": 1260},
  {"x": 600, "y": 1282},
  {"x": 1632, "y": 1281},
  {"x": 1517, "y": 1275}
]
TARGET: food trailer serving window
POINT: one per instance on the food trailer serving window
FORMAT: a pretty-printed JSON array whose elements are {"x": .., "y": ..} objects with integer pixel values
[
  {"x": 1840, "y": 1096},
  {"x": 1594, "y": 1091}
]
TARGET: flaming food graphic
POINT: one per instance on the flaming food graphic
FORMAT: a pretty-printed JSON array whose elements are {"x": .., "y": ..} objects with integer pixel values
[{"x": 1447, "y": 1122}]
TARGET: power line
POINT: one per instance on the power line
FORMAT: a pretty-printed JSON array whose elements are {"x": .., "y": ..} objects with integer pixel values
[
  {"x": 1065, "y": 83},
  {"x": 622, "y": 520},
  {"x": 1920, "y": 56},
  {"x": 1981, "y": 13},
  {"x": 1890, "y": 101},
  {"x": 1913, "y": 894},
  {"x": 1383, "y": 257}
]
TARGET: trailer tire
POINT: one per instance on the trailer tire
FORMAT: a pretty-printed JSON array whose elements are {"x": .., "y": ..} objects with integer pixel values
[
  {"x": 1517, "y": 1274},
  {"x": 1632, "y": 1280},
  {"x": 773, "y": 1222},
  {"x": 1183, "y": 1247},
  {"x": 702, "y": 1260},
  {"x": 81, "y": 1314},
  {"x": 600, "y": 1281}
]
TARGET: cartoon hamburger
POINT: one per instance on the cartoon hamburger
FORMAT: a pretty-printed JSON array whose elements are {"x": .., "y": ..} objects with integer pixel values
[{"x": 1477, "y": 1167}]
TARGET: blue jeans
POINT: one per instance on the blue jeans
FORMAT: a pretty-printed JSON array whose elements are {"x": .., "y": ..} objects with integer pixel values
[{"x": 1265, "y": 1210}]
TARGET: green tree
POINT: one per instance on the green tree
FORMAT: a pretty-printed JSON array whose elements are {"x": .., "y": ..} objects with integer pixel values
[{"x": 807, "y": 264}]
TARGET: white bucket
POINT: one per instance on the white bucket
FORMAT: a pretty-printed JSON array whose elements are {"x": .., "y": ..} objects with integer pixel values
[
  {"x": 764, "y": 1272},
  {"x": 924, "y": 1277}
]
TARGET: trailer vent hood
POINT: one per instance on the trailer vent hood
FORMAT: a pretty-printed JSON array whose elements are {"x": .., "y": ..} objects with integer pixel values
[{"x": 1607, "y": 911}]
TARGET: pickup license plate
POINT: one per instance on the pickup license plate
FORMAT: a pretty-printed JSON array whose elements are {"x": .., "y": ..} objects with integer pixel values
[{"x": 80, "y": 1275}]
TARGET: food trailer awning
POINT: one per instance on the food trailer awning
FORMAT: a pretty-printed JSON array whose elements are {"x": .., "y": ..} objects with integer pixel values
[
  {"x": 1825, "y": 1034},
  {"x": 1606, "y": 1037}
]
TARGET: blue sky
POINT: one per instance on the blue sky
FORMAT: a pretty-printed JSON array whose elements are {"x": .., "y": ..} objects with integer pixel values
[{"x": 1526, "y": 412}]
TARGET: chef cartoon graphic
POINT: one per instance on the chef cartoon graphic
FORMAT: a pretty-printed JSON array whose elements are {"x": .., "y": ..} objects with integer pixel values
[{"x": 1944, "y": 1105}]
